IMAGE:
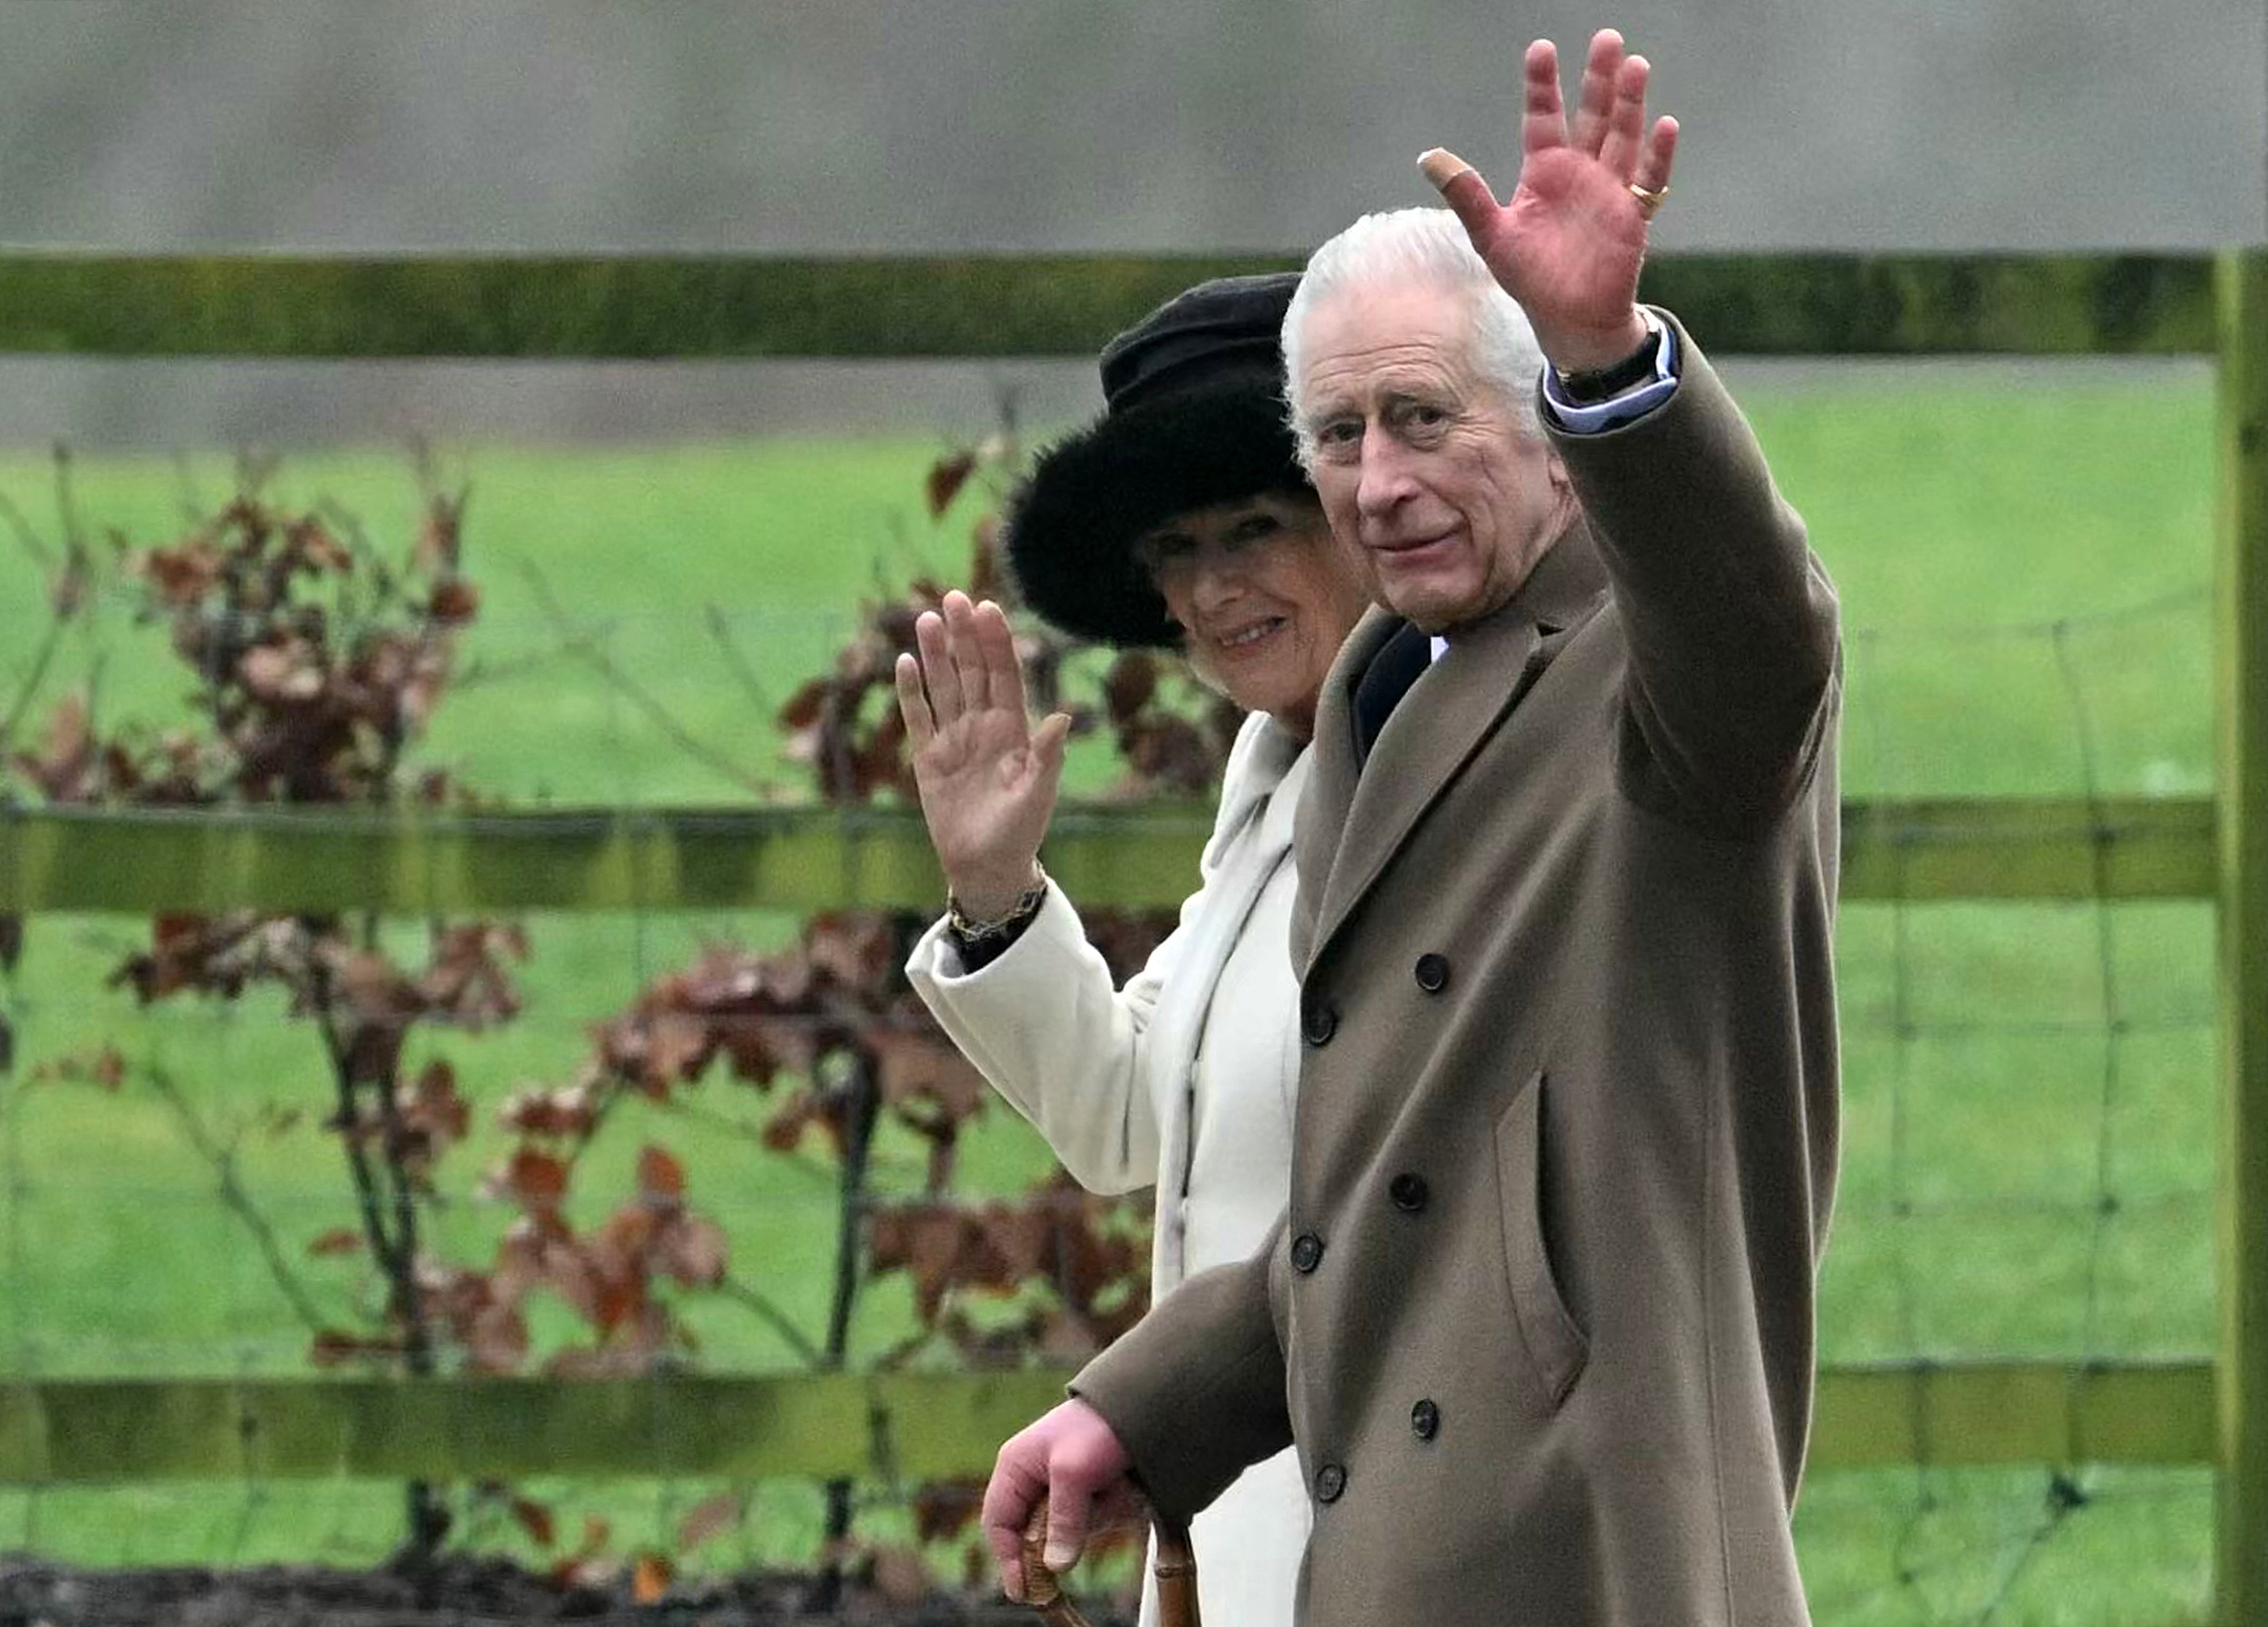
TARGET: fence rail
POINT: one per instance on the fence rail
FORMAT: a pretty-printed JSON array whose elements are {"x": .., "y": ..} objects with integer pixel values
[
  {"x": 658, "y": 307},
  {"x": 810, "y": 858},
  {"x": 912, "y": 1427}
]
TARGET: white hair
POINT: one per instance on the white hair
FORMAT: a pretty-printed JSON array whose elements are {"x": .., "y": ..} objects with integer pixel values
[{"x": 1426, "y": 246}]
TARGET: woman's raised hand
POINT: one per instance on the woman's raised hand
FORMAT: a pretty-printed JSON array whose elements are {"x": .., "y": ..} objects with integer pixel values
[{"x": 988, "y": 779}]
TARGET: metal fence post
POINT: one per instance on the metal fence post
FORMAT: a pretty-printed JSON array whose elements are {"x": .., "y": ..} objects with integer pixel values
[{"x": 2242, "y": 1551}]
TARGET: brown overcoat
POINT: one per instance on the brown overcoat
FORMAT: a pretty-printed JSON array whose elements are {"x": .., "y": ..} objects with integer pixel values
[{"x": 1540, "y": 1318}]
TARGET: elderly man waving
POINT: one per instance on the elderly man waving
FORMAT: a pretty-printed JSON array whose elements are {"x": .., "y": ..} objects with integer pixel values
[{"x": 1540, "y": 1317}]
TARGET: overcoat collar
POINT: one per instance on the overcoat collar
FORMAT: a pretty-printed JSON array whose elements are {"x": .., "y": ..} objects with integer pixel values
[{"x": 1358, "y": 813}]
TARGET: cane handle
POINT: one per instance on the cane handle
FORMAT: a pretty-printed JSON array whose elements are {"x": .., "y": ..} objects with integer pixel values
[
  {"x": 1175, "y": 1569},
  {"x": 1042, "y": 1591}
]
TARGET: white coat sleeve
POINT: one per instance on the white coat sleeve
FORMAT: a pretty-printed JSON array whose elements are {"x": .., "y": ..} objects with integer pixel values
[{"x": 1043, "y": 1023}]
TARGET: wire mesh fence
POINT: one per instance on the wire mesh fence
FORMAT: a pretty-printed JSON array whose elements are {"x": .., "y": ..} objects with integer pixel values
[{"x": 2028, "y": 1165}]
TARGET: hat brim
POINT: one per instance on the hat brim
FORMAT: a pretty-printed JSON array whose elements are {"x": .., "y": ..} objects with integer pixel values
[{"x": 1073, "y": 527}]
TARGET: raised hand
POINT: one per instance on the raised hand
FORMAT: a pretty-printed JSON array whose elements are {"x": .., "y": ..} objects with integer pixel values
[
  {"x": 1569, "y": 245},
  {"x": 988, "y": 779}
]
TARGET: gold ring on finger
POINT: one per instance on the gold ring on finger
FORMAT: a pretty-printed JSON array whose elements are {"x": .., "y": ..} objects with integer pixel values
[{"x": 1648, "y": 201}]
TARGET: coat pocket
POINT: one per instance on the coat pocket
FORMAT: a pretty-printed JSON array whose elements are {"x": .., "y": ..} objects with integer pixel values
[{"x": 1557, "y": 1347}]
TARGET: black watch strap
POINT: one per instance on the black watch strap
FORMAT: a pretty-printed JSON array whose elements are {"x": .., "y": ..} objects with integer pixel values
[
  {"x": 979, "y": 950},
  {"x": 1588, "y": 389}
]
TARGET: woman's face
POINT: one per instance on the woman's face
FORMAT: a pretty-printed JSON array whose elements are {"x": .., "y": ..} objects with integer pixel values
[{"x": 1264, "y": 594}]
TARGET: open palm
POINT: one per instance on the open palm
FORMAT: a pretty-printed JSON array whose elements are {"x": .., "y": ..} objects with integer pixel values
[
  {"x": 1569, "y": 245},
  {"x": 988, "y": 779}
]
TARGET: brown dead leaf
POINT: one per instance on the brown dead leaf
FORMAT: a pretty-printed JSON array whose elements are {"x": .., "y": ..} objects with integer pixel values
[
  {"x": 454, "y": 603},
  {"x": 783, "y": 1132},
  {"x": 64, "y": 768},
  {"x": 497, "y": 1338},
  {"x": 318, "y": 548},
  {"x": 986, "y": 579},
  {"x": 693, "y": 1250},
  {"x": 805, "y": 707},
  {"x": 439, "y": 536},
  {"x": 943, "y": 1509},
  {"x": 289, "y": 672},
  {"x": 338, "y": 1241},
  {"x": 651, "y": 1576},
  {"x": 917, "y": 1065},
  {"x": 856, "y": 948},
  {"x": 104, "y": 1067},
  {"x": 1130, "y": 686},
  {"x": 1169, "y": 755},
  {"x": 660, "y": 1177},
  {"x": 569, "y": 1111},
  {"x": 900, "y": 1575},
  {"x": 571, "y": 1275},
  {"x": 466, "y": 976},
  {"x": 536, "y": 1180},
  {"x": 536, "y": 1519},
  {"x": 371, "y": 988},
  {"x": 334, "y": 1347},
  {"x": 711, "y": 1517},
  {"x": 677, "y": 1048},
  {"x": 585, "y": 1567},
  {"x": 436, "y": 1110},
  {"x": 947, "y": 476},
  {"x": 182, "y": 574}
]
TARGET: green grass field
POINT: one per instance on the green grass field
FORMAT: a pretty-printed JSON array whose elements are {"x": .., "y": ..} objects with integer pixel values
[{"x": 2029, "y": 1115}]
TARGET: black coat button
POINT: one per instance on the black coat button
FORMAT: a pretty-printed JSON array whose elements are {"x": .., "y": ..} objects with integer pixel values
[
  {"x": 1408, "y": 1192},
  {"x": 1432, "y": 973},
  {"x": 1330, "y": 1480},
  {"x": 1424, "y": 1420},
  {"x": 1307, "y": 1252},
  {"x": 1319, "y": 1019}
]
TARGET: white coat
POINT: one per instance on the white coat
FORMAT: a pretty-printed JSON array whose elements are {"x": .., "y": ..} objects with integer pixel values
[{"x": 1183, "y": 1079}]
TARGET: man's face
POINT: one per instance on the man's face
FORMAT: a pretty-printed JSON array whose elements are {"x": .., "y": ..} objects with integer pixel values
[{"x": 1423, "y": 465}]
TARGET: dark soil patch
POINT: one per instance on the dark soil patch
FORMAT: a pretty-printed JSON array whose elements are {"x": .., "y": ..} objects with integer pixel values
[{"x": 464, "y": 1592}]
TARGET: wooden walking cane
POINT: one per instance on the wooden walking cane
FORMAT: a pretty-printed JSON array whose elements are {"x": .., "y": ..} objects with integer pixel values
[{"x": 1176, "y": 1571}]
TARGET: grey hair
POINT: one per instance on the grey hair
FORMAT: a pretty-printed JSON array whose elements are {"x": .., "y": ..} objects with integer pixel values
[{"x": 1424, "y": 246}]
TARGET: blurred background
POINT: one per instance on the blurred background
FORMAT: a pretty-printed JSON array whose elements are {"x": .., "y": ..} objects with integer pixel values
[
  {"x": 666, "y": 554},
  {"x": 1023, "y": 125}
]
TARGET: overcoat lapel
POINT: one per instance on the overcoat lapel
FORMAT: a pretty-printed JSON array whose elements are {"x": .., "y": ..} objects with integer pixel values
[{"x": 1356, "y": 819}]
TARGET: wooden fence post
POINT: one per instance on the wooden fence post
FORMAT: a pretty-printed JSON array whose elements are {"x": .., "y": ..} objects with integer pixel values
[{"x": 2242, "y": 1550}]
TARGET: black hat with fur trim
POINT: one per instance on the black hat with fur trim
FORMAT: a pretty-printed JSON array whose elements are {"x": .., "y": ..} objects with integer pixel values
[{"x": 1194, "y": 417}]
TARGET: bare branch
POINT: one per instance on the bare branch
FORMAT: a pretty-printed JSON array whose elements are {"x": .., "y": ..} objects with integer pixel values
[
  {"x": 736, "y": 660},
  {"x": 596, "y": 658},
  {"x": 25, "y": 537},
  {"x": 44, "y": 657},
  {"x": 223, "y": 1159},
  {"x": 777, "y": 1320},
  {"x": 410, "y": 1300},
  {"x": 67, "y": 499},
  {"x": 810, "y": 1169},
  {"x": 478, "y": 671},
  {"x": 194, "y": 506},
  {"x": 383, "y": 1248}
]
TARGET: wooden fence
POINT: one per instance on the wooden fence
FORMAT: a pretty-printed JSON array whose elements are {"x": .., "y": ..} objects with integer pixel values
[{"x": 2204, "y": 1412}]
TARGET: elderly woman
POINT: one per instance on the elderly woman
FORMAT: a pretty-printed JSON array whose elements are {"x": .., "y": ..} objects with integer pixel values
[{"x": 1180, "y": 518}]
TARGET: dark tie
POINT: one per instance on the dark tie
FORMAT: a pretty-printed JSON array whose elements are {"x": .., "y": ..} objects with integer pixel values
[{"x": 1398, "y": 664}]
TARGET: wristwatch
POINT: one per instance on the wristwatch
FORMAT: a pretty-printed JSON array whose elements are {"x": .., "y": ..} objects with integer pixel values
[
  {"x": 1026, "y": 905},
  {"x": 1604, "y": 383}
]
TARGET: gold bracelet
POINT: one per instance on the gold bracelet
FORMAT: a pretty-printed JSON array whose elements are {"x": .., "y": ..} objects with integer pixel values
[{"x": 1028, "y": 902}]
